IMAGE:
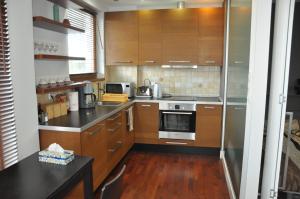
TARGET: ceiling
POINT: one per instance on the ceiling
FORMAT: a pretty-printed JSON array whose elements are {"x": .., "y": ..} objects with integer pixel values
[{"x": 158, "y": 3}]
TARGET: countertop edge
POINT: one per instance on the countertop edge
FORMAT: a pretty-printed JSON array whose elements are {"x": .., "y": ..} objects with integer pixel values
[{"x": 85, "y": 127}]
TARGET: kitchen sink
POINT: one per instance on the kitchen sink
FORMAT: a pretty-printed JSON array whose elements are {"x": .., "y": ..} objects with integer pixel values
[{"x": 110, "y": 103}]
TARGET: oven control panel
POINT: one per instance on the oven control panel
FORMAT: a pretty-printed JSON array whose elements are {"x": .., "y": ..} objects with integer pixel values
[{"x": 177, "y": 106}]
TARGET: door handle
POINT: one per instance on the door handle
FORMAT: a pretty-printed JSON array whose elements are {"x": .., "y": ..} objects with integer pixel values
[
  {"x": 210, "y": 61},
  {"x": 114, "y": 118},
  {"x": 123, "y": 62},
  {"x": 146, "y": 105},
  {"x": 209, "y": 107},
  {"x": 178, "y": 113},
  {"x": 115, "y": 129},
  {"x": 181, "y": 143},
  {"x": 179, "y": 61},
  {"x": 150, "y": 61},
  {"x": 100, "y": 126}
]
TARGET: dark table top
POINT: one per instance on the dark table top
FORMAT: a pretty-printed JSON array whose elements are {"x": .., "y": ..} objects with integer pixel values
[{"x": 31, "y": 179}]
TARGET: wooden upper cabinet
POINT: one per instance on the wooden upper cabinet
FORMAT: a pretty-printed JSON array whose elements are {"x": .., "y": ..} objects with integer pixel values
[
  {"x": 180, "y": 49},
  {"x": 180, "y": 36},
  {"x": 146, "y": 123},
  {"x": 182, "y": 21},
  {"x": 208, "y": 125},
  {"x": 150, "y": 37},
  {"x": 211, "y": 36},
  {"x": 121, "y": 38}
]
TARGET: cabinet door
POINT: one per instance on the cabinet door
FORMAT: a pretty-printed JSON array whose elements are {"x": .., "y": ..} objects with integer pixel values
[
  {"x": 211, "y": 52},
  {"x": 180, "y": 34},
  {"x": 150, "y": 37},
  {"x": 93, "y": 144},
  {"x": 146, "y": 122},
  {"x": 115, "y": 141},
  {"x": 208, "y": 125},
  {"x": 121, "y": 38},
  {"x": 180, "y": 49},
  {"x": 180, "y": 21},
  {"x": 211, "y": 36}
]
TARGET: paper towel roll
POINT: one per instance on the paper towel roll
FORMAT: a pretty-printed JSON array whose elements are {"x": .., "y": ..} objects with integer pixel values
[{"x": 73, "y": 101}]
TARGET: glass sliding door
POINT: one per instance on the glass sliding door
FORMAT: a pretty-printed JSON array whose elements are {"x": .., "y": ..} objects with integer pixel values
[{"x": 237, "y": 87}]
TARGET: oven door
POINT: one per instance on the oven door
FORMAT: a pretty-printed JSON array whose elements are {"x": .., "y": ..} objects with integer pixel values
[{"x": 177, "y": 124}]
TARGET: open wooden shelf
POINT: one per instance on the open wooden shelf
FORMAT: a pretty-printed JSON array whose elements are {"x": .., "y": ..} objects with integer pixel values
[
  {"x": 75, "y": 4},
  {"x": 56, "y": 57},
  {"x": 40, "y": 90},
  {"x": 49, "y": 24}
]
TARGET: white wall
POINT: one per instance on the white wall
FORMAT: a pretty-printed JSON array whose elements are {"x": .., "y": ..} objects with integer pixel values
[
  {"x": 49, "y": 69},
  {"x": 22, "y": 64}
]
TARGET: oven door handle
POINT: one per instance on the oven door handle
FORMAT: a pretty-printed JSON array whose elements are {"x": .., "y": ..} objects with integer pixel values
[{"x": 178, "y": 113}]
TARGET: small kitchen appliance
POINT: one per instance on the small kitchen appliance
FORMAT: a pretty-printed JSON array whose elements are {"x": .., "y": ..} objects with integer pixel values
[
  {"x": 145, "y": 91},
  {"x": 120, "y": 88},
  {"x": 87, "y": 98},
  {"x": 157, "y": 93}
]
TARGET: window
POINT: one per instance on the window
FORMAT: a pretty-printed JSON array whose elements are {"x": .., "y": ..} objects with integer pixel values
[
  {"x": 82, "y": 44},
  {"x": 8, "y": 138}
]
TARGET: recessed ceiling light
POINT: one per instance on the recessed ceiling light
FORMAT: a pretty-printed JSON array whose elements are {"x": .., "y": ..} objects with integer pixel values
[{"x": 181, "y": 4}]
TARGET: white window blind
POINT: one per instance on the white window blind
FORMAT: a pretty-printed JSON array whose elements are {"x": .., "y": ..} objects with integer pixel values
[
  {"x": 82, "y": 44},
  {"x": 8, "y": 138}
]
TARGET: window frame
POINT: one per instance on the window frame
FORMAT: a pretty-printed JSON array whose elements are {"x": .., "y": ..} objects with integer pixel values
[{"x": 89, "y": 76}]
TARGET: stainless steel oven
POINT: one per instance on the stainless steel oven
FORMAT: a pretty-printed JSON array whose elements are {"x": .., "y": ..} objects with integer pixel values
[{"x": 177, "y": 120}]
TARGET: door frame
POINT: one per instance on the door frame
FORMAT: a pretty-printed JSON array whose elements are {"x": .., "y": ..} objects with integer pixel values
[
  {"x": 283, "y": 28},
  {"x": 256, "y": 101}
]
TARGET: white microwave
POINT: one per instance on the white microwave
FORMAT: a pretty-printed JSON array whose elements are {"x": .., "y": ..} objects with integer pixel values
[{"x": 120, "y": 88}]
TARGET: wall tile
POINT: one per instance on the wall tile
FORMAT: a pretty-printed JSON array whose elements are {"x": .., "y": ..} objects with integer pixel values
[{"x": 204, "y": 81}]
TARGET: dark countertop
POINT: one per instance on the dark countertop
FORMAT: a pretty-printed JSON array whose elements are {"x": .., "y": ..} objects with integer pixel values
[
  {"x": 79, "y": 121},
  {"x": 32, "y": 179}
]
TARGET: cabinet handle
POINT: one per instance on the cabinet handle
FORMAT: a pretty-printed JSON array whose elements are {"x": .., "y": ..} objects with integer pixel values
[
  {"x": 114, "y": 118},
  {"x": 179, "y": 61},
  {"x": 210, "y": 61},
  {"x": 239, "y": 108},
  {"x": 181, "y": 143},
  {"x": 123, "y": 62},
  {"x": 146, "y": 105},
  {"x": 209, "y": 107},
  {"x": 238, "y": 62},
  {"x": 150, "y": 61},
  {"x": 118, "y": 145},
  {"x": 91, "y": 133},
  {"x": 115, "y": 129}
]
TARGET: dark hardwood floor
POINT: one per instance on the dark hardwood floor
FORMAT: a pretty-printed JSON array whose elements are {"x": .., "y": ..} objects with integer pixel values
[{"x": 151, "y": 175}]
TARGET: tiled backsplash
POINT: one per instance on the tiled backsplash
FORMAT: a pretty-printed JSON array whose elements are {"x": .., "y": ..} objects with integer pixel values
[{"x": 204, "y": 81}]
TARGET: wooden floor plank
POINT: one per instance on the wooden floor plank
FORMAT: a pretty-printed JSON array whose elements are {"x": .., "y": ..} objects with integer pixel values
[{"x": 151, "y": 175}]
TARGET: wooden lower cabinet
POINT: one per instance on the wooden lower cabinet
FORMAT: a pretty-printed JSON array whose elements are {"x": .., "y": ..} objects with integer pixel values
[
  {"x": 146, "y": 123},
  {"x": 107, "y": 142},
  {"x": 93, "y": 144},
  {"x": 208, "y": 125}
]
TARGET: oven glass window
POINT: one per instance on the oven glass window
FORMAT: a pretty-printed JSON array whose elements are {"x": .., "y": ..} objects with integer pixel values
[{"x": 177, "y": 122}]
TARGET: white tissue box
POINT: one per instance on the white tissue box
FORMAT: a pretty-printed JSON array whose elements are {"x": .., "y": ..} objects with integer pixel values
[{"x": 55, "y": 157}]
